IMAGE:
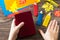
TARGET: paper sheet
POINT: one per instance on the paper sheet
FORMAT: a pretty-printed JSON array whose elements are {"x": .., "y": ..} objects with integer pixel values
[
  {"x": 2, "y": 5},
  {"x": 48, "y": 7},
  {"x": 8, "y": 3},
  {"x": 17, "y": 4}
]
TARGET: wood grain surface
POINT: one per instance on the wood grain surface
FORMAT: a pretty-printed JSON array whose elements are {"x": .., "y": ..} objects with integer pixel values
[{"x": 5, "y": 27}]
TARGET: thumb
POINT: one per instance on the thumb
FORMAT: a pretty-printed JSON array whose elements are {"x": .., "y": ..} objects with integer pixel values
[
  {"x": 41, "y": 32},
  {"x": 20, "y": 25}
]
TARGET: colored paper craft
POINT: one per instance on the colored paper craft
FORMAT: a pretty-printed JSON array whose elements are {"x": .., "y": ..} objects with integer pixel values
[
  {"x": 53, "y": 3},
  {"x": 28, "y": 29},
  {"x": 2, "y": 5},
  {"x": 39, "y": 19},
  {"x": 57, "y": 13},
  {"x": 48, "y": 7},
  {"x": 35, "y": 9},
  {"x": 17, "y": 12},
  {"x": 26, "y": 3},
  {"x": 8, "y": 3},
  {"x": 47, "y": 20},
  {"x": 18, "y": 4},
  {"x": 14, "y": 7}
]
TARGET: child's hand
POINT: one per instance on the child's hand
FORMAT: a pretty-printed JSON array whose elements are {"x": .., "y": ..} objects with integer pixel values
[
  {"x": 52, "y": 31},
  {"x": 14, "y": 30}
]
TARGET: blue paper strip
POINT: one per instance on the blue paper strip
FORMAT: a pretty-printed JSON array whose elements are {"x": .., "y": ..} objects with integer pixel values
[{"x": 5, "y": 12}]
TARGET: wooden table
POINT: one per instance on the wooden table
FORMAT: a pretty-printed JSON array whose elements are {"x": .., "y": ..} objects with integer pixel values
[{"x": 5, "y": 29}]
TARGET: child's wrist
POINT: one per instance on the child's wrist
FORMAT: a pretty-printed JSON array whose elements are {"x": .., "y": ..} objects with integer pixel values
[{"x": 12, "y": 36}]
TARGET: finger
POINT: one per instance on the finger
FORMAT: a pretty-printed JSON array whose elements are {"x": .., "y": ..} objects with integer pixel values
[
  {"x": 20, "y": 25},
  {"x": 41, "y": 32},
  {"x": 49, "y": 25},
  {"x": 55, "y": 28},
  {"x": 13, "y": 23},
  {"x": 53, "y": 24}
]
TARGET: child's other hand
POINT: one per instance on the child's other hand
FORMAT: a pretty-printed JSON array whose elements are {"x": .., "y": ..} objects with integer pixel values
[{"x": 52, "y": 31}]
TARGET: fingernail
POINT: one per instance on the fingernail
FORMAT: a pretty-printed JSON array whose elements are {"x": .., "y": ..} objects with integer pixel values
[
  {"x": 22, "y": 22},
  {"x": 54, "y": 20}
]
